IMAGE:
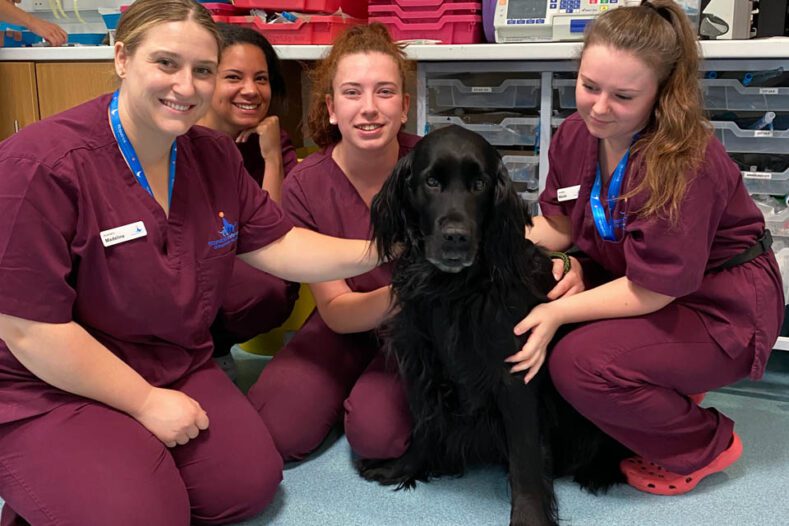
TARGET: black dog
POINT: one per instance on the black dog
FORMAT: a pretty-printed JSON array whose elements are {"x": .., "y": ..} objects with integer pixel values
[{"x": 465, "y": 277}]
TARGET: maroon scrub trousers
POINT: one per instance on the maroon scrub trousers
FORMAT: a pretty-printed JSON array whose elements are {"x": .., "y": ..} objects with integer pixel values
[{"x": 631, "y": 376}]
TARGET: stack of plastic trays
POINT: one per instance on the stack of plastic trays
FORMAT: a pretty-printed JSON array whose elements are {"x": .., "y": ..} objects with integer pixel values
[{"x": 446, "y": 22}]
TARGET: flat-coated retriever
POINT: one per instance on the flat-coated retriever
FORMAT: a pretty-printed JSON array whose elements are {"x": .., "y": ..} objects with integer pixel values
[{"x": 465, "y": 277}]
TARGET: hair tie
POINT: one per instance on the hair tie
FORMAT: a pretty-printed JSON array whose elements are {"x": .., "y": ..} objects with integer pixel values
[{"x": 660, "y": 10}]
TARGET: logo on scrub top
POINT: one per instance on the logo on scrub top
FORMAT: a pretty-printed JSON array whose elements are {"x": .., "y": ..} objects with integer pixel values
[{"x": 228, "y": 233}]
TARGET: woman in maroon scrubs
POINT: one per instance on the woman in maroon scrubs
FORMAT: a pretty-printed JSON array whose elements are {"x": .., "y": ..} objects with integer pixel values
[
  {"x": 692, "y": 296},
  {"x": 333, "y": 367},
  {"x": 121, "y": 224},
  {"x": 250, "y": 89}
]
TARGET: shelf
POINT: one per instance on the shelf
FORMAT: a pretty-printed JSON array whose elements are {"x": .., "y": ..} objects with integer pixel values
[{"x": 775, "y": 47}]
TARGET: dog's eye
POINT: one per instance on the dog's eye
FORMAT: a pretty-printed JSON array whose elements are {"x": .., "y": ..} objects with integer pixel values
[
  {"x": 432, "y": 182},
  {"x": 478, "y": 185}
]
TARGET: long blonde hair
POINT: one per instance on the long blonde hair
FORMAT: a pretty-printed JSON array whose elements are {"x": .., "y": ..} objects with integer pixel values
[
  {"x": 673, "y": 144},
  {"x": 358, "y": 39}
]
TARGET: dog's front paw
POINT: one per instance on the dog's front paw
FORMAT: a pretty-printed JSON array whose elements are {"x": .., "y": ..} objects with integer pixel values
[{"x": 387, "y": 472}]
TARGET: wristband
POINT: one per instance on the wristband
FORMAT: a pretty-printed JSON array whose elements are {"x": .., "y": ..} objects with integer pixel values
[{"x": 565, "y": 260}]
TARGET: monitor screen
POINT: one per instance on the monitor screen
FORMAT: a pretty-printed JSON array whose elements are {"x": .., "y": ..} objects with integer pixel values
[{"x": 527, "y": 8}]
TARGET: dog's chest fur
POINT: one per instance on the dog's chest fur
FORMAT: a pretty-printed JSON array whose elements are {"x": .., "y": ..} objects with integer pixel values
[{"x": 465, "y": 334}]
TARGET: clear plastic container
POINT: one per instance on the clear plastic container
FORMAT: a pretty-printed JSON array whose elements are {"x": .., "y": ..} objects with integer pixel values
[
  {"x": 512, "y": 93},
  {"x": 737, "y": 140},
  {"x": 730, "y": 94},
  {"x": 566, "y": 89},
  {"x": 693, "y": 10},
  {"x": 778, "y": 222},
  {"x": 523, "y": 169},
  {"x": 767, "y": 182},
  {"x": 511, "y": 131}
]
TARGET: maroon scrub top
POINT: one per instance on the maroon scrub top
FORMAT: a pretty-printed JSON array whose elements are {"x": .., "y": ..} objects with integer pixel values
[
  {"x": 741, "y": 307},
  {"x": 317, "y": 195},
  {"x": 150, "y": 300},
  {"x": 253, "y": 160}
]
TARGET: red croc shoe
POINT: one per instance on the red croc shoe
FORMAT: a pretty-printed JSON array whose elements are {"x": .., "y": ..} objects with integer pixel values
[
  {"x": 651, "y": 478},
  {"x": 697, "y": 398}
]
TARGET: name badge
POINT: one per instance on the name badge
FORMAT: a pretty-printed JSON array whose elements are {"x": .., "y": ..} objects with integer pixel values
[
  {"x": 568, "y": 193},
  {"x": 124, "y": 233}
]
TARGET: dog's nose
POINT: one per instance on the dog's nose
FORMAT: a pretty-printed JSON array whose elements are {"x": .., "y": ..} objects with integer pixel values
[{"x": 456, "y": 235}]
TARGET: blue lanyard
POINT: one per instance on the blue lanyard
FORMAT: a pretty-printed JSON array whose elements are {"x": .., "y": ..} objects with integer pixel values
[
  {"x": 606, "y": 227},
  {"x": 127, "y": 150}
]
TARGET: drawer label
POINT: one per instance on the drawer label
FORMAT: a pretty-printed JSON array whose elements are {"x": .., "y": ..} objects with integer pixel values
[
  {"x": 757, "y": 175},
  {"x": 768, "y": 91},
  {"x": 481, "y": 89},
  {"x": 763, "y": 133}
]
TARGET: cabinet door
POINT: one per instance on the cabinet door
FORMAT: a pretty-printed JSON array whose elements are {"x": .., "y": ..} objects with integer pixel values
[
  {"x": 18, "y": 96},
  {"x": 63, "y": 85}
]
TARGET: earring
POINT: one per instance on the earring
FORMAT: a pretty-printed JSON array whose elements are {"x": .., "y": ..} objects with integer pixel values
[{"x": 332, "y": 121}]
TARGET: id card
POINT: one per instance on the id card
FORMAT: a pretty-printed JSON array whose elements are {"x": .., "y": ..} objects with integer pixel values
[
  {"x": 568, "y": 193},
  {"x": 124, "y": 233}
]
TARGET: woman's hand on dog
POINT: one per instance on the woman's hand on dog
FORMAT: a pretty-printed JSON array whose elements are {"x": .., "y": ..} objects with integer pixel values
[
  {"x": 542, "y": 321},
  {"x": 569, "y": 284}
]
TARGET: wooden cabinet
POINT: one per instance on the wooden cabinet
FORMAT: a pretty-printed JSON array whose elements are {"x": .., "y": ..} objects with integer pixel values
[
  {"x": 30, "y": 91},
  {"x": 62, "y": 85},
  {"x": 18, "y": 96}
]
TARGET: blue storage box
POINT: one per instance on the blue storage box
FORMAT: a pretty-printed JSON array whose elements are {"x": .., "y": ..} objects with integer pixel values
[{"x": 87, "y": 39}]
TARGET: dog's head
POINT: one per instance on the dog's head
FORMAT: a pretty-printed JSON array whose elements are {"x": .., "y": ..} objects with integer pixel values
[{"x": 447, "y": 200}]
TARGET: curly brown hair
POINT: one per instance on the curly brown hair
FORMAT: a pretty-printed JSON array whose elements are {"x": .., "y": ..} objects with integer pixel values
[
  {"x": 673, "y": 144},
  {"x": 358, "y": 39}
]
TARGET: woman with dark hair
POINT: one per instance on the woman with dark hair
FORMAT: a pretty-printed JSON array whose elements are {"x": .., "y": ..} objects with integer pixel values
[
  {"x": 690, "y": 297},
  {"x": 250, "y": 91},
  {"x": 333, "y": 368}
]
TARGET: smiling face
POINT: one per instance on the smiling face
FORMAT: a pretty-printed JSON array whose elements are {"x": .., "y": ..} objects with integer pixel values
[
  {"x": 615, "y": 94},
  {"x": 243, "y": 92},
  {"x": 368, "y": 104},
  {"x": 168, "y": 81}
]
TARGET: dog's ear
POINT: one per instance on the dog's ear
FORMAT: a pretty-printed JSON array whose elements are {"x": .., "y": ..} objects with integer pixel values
[
  {"x": 505, "y": 227},
  {"x": 389, "y": 209}
]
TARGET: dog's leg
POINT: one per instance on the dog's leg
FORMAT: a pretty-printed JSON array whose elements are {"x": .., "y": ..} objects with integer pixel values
[{"x": 533, "y": 497}]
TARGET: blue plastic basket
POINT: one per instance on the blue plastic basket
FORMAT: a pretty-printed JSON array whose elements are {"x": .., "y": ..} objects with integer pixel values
[{"x": 111, "y": 20}]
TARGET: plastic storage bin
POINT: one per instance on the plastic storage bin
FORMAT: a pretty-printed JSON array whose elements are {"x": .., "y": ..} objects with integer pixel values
[
  {"x": 420, "y": 4},
  {"x": 767, "y": 182},
  {"x": 730, "y": 94},
  {"x": 511, "y": 131},
  {"x": 523, "y": 169},
  {"x": 566, "y": 89},
  {"x": 110, "y": 16},
  {"x": 354, "y": 8},
  {"x": 778, "y": 223},
  {"x": 512, "y": 93},
  {"x": 218, "y": 8},
  {"x": 737, "y": 140},
  {"x": 319, "y": 30},
  {"x": 433, "y": 14},
  {"x": 452, "y": 29}
]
